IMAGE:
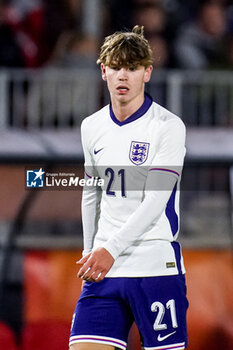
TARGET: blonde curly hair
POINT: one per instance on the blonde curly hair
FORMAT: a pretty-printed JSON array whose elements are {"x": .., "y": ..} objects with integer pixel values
[{"x": 126, "y": 49}]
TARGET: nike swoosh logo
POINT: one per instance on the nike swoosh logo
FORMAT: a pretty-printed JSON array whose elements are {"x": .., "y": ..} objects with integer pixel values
[
  {"x": 165, "y": 336},
  {"x": 98, "y": 150}
]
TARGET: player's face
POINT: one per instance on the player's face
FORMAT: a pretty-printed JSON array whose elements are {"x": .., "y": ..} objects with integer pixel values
[{"x": 125, "y": 84}]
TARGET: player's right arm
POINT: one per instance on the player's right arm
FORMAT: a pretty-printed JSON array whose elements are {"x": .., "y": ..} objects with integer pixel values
[{"x": 91, "y": 198}]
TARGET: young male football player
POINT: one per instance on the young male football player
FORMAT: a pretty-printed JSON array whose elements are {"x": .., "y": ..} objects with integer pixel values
[{"x": 132, "y": 265}]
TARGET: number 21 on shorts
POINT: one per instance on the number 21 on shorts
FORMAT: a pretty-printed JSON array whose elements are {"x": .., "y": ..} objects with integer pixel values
[{"x": 160, "y": 308}]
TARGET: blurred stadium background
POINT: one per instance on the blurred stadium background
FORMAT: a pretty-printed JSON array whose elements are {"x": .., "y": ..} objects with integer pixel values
[{"x": 49, "y": 82}]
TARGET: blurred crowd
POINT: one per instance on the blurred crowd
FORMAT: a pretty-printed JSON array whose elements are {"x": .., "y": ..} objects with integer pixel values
[{"x": 183, "y": 34}]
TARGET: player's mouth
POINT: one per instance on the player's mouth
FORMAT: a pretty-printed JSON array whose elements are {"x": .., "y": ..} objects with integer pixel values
[{"x": 122, "y": 89}]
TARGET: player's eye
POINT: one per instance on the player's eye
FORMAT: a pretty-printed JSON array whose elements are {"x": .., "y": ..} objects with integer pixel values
[{"x": 132, "y": 69}]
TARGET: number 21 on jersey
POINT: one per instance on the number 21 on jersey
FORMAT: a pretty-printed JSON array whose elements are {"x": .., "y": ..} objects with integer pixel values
[{"x": 111, "y": 174}]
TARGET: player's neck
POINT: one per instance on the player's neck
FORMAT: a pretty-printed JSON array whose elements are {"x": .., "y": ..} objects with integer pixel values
[{"x": 123, "y": 110}]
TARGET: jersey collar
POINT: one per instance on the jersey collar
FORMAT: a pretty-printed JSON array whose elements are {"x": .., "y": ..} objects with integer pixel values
[{"x": 139, "y": 113}]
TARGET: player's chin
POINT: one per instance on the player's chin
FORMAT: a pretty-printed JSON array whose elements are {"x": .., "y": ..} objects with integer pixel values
[{"x": 123, "y": 99}]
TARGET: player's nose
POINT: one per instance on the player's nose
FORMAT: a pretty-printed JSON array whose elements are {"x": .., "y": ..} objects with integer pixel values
[{"x": 123, "y": 74}]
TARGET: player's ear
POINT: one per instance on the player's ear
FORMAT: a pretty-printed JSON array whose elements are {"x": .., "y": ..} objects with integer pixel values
[
  {"x": 103, "y": 71},
  {"x": 147, "y": 74}
]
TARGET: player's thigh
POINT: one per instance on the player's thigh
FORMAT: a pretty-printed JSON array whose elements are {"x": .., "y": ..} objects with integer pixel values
[
  {"x": 101, "y": 316},
  {"x": 91, "y": 346},
  {"x": 161, "y": 317}
]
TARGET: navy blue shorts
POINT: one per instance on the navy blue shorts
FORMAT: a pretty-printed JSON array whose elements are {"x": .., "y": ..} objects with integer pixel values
[{"x": 106, "y": 310}]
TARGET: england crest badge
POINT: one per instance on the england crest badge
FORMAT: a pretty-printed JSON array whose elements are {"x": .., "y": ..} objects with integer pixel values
[{"x": 138, "y": 152}]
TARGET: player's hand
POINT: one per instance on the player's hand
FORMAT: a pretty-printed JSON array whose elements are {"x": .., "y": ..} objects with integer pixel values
[{"x": 95, "y": 265}]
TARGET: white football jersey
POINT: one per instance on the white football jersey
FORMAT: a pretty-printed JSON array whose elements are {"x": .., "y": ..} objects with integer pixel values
[{"x": 135, "y": 215}]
